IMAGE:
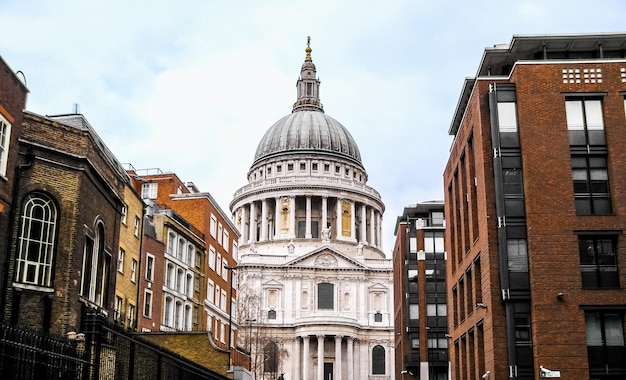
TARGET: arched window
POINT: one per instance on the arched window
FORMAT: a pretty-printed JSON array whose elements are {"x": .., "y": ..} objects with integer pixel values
[
  {"x": 36, "y": 242},
  {"x": 270, "y": 358},
  {"x": 96, "y": 264},
  {"x": 378, "y": 360}
]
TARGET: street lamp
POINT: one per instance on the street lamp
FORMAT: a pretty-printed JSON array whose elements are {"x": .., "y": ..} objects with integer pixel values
[{"x": 230, "y": 314}]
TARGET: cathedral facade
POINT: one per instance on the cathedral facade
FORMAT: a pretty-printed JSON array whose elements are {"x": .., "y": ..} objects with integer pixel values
[{"x": 314, "y": 286}]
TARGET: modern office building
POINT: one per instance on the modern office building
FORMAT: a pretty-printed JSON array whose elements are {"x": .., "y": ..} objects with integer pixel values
[
  {"x": 535, "y": 205},
  {"x": 316, "y": 288},
  {"x": 419, "y": 283}
]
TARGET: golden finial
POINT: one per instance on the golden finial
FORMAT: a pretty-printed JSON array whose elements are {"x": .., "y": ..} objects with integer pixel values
[{"x": 308, "y": 50}]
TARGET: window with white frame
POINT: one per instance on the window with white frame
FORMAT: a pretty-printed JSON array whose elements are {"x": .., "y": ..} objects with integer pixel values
[
  {"x": 5, "y": 139},
  {"x": 219, "y": 233},
  {"x": 136, "y": 227},
  {"x": 147, "y": 303},
  {"x": 218, "y": 265},
  {"x": 223, "y": 300},
  {"x": 171, "y": 244},
  {"x": 170, "y": 276},
  {"x": 225, "y": 241},
  {"x": 180, "y": 251},
  {"x": 224, "y": 270},
  {"x": 117, "y": 312},
  {"x": 120, "y": 260},
  {"x": 218, "y": 292},
  {"x": 124, "y": 212},
  {"x": 130, "y": 315},
  {"x": 168, "y": 311},
  {"x": 38, "y": 224},
  {"x": 190, "y": 254},
  {"x": 149, "y": 190},
  {"x": 211, "y": 257},
  {"x": 235, "y": 251},
  {"x": 189, "y": 285},
  {"x": 210, "y": 292},
  {"x": 180, "y": 281},
  {"x": 133, "y": 270},
  {"x": 213, "y": 226},
  {"x": 150, "y": 267}
]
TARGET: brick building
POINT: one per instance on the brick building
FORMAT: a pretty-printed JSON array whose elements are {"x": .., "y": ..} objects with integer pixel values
[
  {"x": 12, "y": 102},
  {"x": 419, "y": 267},
  {"x": 66, "y": 224},
  {"x": 166, "y": 191},
  {"x": 535, "y": 204},
  {"x": 129, "y": 259}
]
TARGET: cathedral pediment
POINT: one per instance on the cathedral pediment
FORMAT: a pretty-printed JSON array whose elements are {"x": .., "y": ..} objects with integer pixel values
[{"x": 326, "y": 258}]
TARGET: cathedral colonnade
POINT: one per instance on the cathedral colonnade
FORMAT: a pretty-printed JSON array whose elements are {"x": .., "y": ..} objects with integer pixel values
[
  {"x": 309, "y": 216},
  {"x": 341, "y": 356}
]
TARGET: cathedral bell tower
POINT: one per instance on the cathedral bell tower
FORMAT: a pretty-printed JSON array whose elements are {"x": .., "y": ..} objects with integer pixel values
[{"x": 308, "y": 85}]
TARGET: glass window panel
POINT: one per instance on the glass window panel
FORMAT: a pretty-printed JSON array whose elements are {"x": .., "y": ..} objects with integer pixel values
[
  {"x": 614, "y": 330},
  {"x": 574, "y": 113},
  {"x": 507, "y": 118},
  {"x": 593, "y": 113}
]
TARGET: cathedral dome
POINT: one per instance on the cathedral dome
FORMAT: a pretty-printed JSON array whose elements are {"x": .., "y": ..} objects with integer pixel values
[{"x": 308, "y": 132}]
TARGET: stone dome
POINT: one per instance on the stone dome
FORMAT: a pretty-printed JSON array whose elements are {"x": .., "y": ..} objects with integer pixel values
[{"x": 308, "y": 132}]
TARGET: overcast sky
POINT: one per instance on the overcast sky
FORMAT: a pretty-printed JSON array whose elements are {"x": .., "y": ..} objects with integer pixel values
[{"x": 191, "y": 86}]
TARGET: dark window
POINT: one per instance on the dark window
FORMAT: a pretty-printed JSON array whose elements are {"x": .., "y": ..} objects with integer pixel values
[
  {"x": 301, "y": 229},
  {"x": 271, "y": 314},
  {"x": 270, "y": 359},
  {"x": 591, "y": 185},
  {"x": 325, "y": 296},
  {"x": 378, "y": 360},
  {"x": 598, "y": 262},
  {"x": 378, "y": 317},
  {"x": 605, "y": 342}
]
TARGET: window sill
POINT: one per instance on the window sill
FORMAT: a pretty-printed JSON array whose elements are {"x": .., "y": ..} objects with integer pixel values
[{"x": 36, "y": 288}]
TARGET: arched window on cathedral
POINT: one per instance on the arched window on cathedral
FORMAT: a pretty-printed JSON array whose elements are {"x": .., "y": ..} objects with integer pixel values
[
  {"x": 270, "y": 358},
  {"x": 378, "y": 360},
  {"x": 38, "y": 224}
]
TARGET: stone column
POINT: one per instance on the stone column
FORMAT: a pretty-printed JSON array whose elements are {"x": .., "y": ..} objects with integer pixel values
[
  {"x": 352, "y": 220},
  {"x": 364, "y": 223},
  {"x": 305, "y": 358},
  {"x": 320, "y": 357},
  {"x": 292, "y": 216},
  {"x": 244, "y": 231},
  {"x": 379, "y": 229},
  {"x": 277, "y": 218},
  {"x": 373, "y": 228},
  {"x": 324, "y": 213},
  {"x": 308, "y": 217},
  {"x": 263, "y": 220},
  {"x": 350, "y": 359},
  {"x": 364, "y": 353},
  {"x": 297, "y": 371},
  {"x": 339, "y": 220},
  {"x": 252, "y": 234},
  {"x": 338, "y": 357}
]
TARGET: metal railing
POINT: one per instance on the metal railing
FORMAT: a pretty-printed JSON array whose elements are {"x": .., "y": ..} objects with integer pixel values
[{"x": 104, "y": 350}]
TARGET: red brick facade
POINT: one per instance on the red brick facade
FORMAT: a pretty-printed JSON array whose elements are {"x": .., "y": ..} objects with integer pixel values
[{"x": 552, "y": 226}]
